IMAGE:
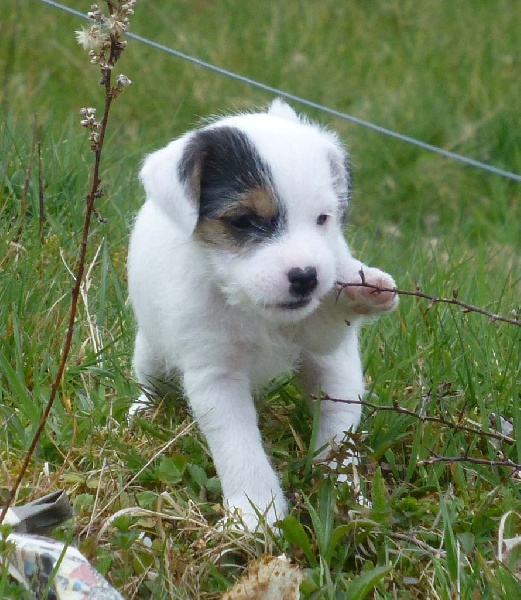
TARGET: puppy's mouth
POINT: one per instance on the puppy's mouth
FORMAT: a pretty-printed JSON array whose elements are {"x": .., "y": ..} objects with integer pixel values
[{"x": 294, "y": 305}]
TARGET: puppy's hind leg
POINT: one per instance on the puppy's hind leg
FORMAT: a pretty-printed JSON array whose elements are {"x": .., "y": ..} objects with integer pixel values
[{"x": 147, "y": 368}]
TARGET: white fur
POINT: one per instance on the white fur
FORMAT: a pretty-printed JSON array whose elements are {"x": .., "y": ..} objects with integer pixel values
[{"x": 212, "y": 316}]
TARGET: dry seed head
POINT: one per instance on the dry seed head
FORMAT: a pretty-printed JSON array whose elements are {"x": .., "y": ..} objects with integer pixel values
[
  {"x": 94, "y": 141},
  {"x": 95, "y": 14},
  {"x": 94, "y": 57},
  {"x": 127, "y": 8},
  {"x": 87, "y": 111},
  {"x": 118, "y": 25},
  {"x": 89, "y": 119},
  {"x": 91, "y": 39},
  {"x": 123, "y": 81}
]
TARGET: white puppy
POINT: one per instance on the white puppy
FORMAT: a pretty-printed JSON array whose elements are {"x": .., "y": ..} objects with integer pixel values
[{"x": 233, "y": 265}]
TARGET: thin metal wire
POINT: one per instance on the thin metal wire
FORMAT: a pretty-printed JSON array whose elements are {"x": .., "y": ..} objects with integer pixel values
[{"x": 315, "y": 105}]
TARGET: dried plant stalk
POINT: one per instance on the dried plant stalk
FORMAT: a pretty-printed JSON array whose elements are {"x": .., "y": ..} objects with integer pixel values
[{"x": 104, "y": 42}]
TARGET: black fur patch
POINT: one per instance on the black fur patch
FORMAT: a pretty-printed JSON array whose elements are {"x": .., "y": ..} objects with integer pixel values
[{"x": 232, "y": 186}]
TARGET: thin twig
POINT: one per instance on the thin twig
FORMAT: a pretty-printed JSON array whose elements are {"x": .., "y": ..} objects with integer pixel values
[
  {"x": 422, "y": 417},
  {"x": 471, "y": 460},
  {"x": 435, "y": 300},
  {"x": 430, "y": 550}
]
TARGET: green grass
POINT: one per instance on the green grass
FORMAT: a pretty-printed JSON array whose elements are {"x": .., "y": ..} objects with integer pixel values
[{"x": 446, "y": 73}]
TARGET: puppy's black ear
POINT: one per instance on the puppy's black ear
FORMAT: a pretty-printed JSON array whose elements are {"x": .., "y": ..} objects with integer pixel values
[
  {"x": 340, "y": 166},
  {"x": 218, "y": 165}
]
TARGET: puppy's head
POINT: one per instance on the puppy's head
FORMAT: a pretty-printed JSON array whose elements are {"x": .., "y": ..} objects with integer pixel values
[{"x": 265, "y": 195}]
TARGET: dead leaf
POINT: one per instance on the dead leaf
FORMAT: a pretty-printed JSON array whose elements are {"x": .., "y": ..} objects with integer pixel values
[{"x": 270, "y": 578}]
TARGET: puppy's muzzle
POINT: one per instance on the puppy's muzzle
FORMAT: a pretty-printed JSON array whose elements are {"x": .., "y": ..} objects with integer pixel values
[{"x": 302, "y": 281}]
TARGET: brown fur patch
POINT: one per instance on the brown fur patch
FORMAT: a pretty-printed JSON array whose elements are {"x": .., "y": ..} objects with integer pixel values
[
  {"x": 195, "y": 181},
  {"x": 260, "y": 201},
  {"x": 217, "y": 233}
]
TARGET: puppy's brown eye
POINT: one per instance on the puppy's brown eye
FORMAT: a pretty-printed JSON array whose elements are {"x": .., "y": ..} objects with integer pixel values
[
  {"x": 321, "y": 219},
  {"x": 242, "y": 222},
  {"x": 251, "y": 227}
]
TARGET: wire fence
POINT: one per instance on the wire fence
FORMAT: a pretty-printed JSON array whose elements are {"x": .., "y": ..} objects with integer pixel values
[{"x": 305, "y": 102}]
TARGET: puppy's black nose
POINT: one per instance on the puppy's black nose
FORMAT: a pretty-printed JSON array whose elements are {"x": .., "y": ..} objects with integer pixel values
[{"x": 302, "y": 281}]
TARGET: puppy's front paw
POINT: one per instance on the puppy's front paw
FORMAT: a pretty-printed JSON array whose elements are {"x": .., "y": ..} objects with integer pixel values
[
  {"x": 377, "y": 297},
  {"x": 244, "y": 513}
]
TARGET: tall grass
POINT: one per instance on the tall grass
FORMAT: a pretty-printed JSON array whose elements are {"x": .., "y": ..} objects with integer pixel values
[{"x": 445, "y": 73}]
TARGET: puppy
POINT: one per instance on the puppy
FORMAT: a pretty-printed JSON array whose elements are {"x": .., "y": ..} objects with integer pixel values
[{"x": 233, "y": 265}]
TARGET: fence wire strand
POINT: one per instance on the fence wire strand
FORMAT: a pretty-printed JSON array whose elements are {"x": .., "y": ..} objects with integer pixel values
[{"x": 304, "y": 101}]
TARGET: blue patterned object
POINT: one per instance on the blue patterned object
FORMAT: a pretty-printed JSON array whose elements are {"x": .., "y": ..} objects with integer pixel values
[{"x": 34, "y": 558}]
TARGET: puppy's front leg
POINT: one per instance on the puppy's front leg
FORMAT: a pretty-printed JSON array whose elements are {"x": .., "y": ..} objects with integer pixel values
[{"x": 224, "y": 408}]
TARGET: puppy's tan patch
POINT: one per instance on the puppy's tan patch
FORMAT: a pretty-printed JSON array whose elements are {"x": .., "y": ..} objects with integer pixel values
[
  {"x": 216, "y": 232},
  {"x": 219, "y": 230},
  {"x": 194, "y": 181},
  {"x": 260, "y": 201}
]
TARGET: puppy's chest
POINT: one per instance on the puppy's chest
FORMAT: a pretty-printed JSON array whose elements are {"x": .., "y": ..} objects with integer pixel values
[{"x": 268, "y": 354}]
